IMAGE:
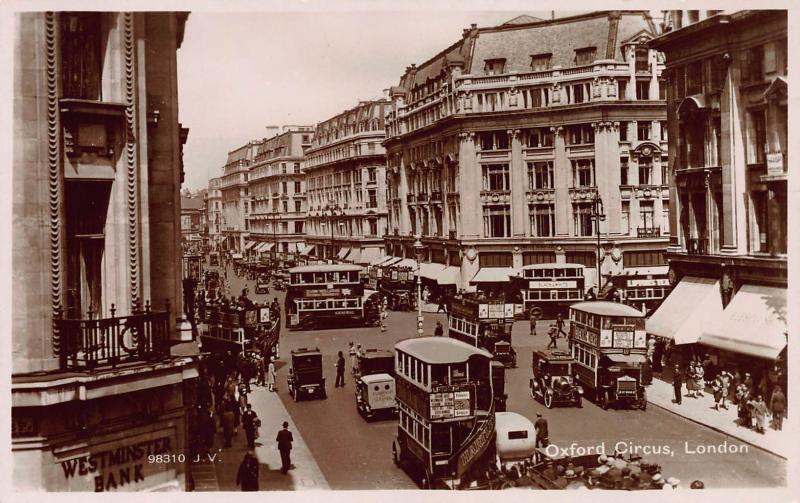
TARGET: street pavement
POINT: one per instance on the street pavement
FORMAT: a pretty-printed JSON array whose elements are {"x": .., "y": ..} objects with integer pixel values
[{"x": 354, "y": 454}]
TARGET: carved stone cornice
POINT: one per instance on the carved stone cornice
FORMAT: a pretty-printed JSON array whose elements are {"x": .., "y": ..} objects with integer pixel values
[{"x": 131, "y": 161}]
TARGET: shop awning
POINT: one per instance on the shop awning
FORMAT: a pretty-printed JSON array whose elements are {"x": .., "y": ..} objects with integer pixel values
[
  {"x": 342, "y": 253},
  {"x": 632, "y": 359},
  {"x": 406, "y": 262},
  {"x": 250, "y": 244},
  {"x": 355, "y": 256},
  {"x": 430, "y": 270},
  {"x": 260, "y": 247},
  {"x": 308, "y": 249},
  {"x": 494, "y": 275},
  {"x": 369, "y": 255},
  {"x": 449, "y": 276},
  {"x": 753, "y": 323},
  {"x": 683, "y": 315},
  {"x": 379, "y": 261},
  {"x": 390, "y": 261},
  {"x": 659, "y": 270},
  {"x": 300, "y": 247}
]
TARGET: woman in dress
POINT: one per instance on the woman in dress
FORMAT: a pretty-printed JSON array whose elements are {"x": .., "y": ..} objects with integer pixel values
[
  {"x": 690, "y": 380},
  {"x": 699, "y": 381},
  {"x": 271, "y": 374}
]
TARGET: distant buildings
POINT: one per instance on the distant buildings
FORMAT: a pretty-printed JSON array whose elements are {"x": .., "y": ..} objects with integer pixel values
[
  {"x": 96, "y": 252},
  {"x": 346, "y": 180},
  {"x": 193, "y": 221},
  {"x": 214, "y": 214},
  {"x": 277, "y": 193},
  {"x": 728, "y": 111},
  {"x": 499, "y": 145},
  {"x": 236, "y": 198}
]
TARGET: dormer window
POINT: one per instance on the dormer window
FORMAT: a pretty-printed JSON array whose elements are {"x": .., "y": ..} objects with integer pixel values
[
  {"x": 494, "y": 66},
  {"x": 585, "y": 56},
  {"x": 642, "y": 59},
  {"x": 540, "y": 62}
]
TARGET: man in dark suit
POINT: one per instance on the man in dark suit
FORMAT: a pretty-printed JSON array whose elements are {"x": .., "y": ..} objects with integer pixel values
[
  {"x": 542, "y": 434},
  {"x": 285, "y": 440},
  {"x": 677, "y": 384},
  {"x": 247, "y": 476}
]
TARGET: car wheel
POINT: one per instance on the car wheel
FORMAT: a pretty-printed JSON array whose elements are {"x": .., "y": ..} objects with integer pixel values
[
  {"x": 644, "y": 400},
  {"x": 579, "y": 401},
  {"x": 548, "y": 400},
  {"x": 395, "y": 455},
  {"x": 294, "y": 394},
  {"x": 602, "y": 400}
]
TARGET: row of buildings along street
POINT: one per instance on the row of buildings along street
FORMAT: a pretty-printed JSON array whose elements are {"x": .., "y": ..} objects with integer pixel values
[{"x": 609, "y": 177}]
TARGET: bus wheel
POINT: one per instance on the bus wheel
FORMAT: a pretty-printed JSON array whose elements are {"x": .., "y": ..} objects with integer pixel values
[
  {"x": 425, "y": 483},
  {"x": 395, "y": 456}
]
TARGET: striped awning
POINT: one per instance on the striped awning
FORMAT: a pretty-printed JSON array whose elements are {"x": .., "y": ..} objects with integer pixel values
[
  {"x": 342, "y": 253},
  {"x": 430, "y": 270},
  {"x": 250, "y": 245},
  {"x": 369, "y": 255},
  {"x": 494, "y": 275}
]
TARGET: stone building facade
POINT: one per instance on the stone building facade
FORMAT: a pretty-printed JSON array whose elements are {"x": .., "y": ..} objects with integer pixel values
[
  {"x": 278, "y": 193},
  {"x": 96, "y": 253},
  {"x": 235, "y": 197},
  {"x": 498, "y": 145},
  {"x": 214, "y": 213},
  {"x": 727, "y": 110},
  {"x": 346, "y": 182}
]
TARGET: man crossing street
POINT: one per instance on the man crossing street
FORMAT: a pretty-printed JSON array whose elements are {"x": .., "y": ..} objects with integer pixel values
[
  {"x": 285, "y": 440},
  {"x": 340, "y": 370},
  {"x": 542, "y": 433}
]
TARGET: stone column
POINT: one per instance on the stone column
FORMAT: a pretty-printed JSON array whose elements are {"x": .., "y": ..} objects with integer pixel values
[
  {"x": 630, "y": 90},
  {"x": 634, "y": 218},
  {"x": 443, "y": 188},
  {"x": 607, "y": 178},
  {"x": 658, "y": 207},
  {"x": 519, "y": 206},
  {"x": 653, "y": 58},
  {"x": 470, "y": 186},
  {"x": 403, "y": 221},
  {"x": 733, "y": 160},
  {"x": 562, "y": 171}
]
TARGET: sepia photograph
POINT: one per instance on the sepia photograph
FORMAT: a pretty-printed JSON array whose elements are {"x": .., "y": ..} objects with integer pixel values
[{"x": 372, "y": 246}]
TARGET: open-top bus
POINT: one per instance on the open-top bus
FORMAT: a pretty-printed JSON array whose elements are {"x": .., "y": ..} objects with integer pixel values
[
  {"x": 609, "y": 344},
  {"x": 483, "y": 322},
  {"x": 446, "y": 411},
  {"x": 329, "y": 293},
  {"x": 550, "y": 287}
]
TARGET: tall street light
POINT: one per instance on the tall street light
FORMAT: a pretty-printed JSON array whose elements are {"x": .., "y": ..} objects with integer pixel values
[
  {"x": 418, "y": 250},
  {"x": 330, "y": 212},
  {"x": 598, "y": 216}
]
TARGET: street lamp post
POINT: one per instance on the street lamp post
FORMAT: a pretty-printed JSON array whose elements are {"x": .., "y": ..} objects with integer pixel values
[
  {"x": 329, "y": 212},
  {"x": 418, "y": 250},
  {"x": 598, "y": 216}
]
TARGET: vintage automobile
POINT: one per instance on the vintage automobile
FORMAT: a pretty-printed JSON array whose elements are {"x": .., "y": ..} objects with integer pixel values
[
  {"x": 262, "y": 284},
  {"x": 305, "y": 375},
  {"x": 375, "y": 396},
  {"x": 375, "y": 361},
  {"x": 553, "y": 379},
  {"x": 619, "y": 383},
  {"x": 504, "y": 353}
]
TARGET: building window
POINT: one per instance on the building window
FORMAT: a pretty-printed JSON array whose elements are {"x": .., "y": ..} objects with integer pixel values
[
  {"x": 582, "y": 217},
  {"x": 494, "y": 140},
  {"x": 644, "y": 258},
  {"x": 694, "y": 78},
  {"x": 372, "y": 175},
  {"x": 646, "y": 214},
  {"x": 759, "y": 222},
  {"x": 623, "y": 171},
  {"x": 583, "y": 173},
  {"x": 497, "y": 221},
  {"x": 298, "y": 227},
  {"x": 756, "y": 136},
  {"x": 664, "y": 130},
  {"x": 81, "y": 55},
  {"x": 662, "y": 89},
  {"x": 298, "y": 206},
  {"x": 642, "y": 89},
  {"x": 283, "y": 168},
  {"x": 412, "y": 217},
  {"x": 496, "y": 177},
  {"x": 494, "y": 66},
  {"x": 664, "y": 170},
  {"x": 580, "y": 134},
  {"x": 540, "y": 175},
  {"x": 580, "y": 92},
  {"x": 373, "y": 227},
  {"x": 543, "y": 220},
  {"x": 373, "y": 198},
  {"x": 284, "y": 188},
  {"x": 645, "y": 171},
  {"x": 622, "y": 88},
  {"x": 753, "y": 68},
  {"x": 496, "y": 259},
  {"x": 540, "y": 62},
  {"x": 585, "y": 56},
  {"x": 643, "y": 130},
  {"x": 665, "y": 217},
  {"x": 623, "y": 131},
  {"x": 285, "y": 207},
  {"x": 540, "y": 137},
  {"x": 642, "y": 60},
  {"x": 625, "y": 218},
  {"x": 297, "y": 188}
]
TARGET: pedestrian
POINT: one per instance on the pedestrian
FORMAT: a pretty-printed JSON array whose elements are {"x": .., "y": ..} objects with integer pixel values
[
  {"x": 590, "y": 295},
  {"x": 677, "y": 384},
  {"x": 759, "y": 409},
  {"x": 353, "y": 359},
  {"x": 532, "y": 320},
  {"x": 247, "y": 476},
  {"x": 441, "y": 307},
  {"x": 245, "y": 370},
  {"x": 262, "y": 374},
  {"x": 699, "y": 379},
  {"x": 560, "y": 325},
  {"x": 439, "y": 331},
  {"x": 542, "y": 433},
  {"x": 250, "y": 422},
  {"x": 716, "y": 388},
  {"x": 271, "y": 374},
  {"x": 777, "y": 405},
  {"x": 726, "y": 379},
  {"x": 228, "y": 421},
  {"x": 340, "y": 370},
  {"x": 690, "y": 380},
  {"x": 553, "y": 334},
  {"x": 383, "y": 316},
  {"x": 285, "y": 440}
]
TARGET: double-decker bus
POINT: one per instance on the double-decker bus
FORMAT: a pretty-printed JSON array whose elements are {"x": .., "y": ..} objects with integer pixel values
[
  {"x": 609, "y": 344},
  {"x": 550, "y": 287},
  {"x": 483, "y": 322},
  {"x": 446, "y": 413},
  {"x": 329, "y": 293},
  {"x": 223, "y": 330},
  {"x": 644, "y": 288},
  {"x": 398, "y": 286}
]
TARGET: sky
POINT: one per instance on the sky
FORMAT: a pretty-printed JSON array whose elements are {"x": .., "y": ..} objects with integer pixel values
[{"x": 240, "y": 72}]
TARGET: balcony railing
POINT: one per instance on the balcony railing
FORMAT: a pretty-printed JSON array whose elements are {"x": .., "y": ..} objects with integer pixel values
[
  {"x": 697, "y": 246},
  {"x": 422, "y": 197},
  {"x": 452, "y": 235},
  {"x": 89, "y": 343},
  {"x": 410, "y": 198},
  {"x": 648, "y": 232},
  {"x": 436, "y": 196}
]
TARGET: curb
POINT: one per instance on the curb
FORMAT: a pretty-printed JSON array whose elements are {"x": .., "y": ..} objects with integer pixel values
[{"x": 718, "y": 430}]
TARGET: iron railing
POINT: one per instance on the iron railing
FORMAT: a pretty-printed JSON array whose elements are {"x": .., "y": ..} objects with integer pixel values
[
  {"x": 697, "y": 246},
  {"x": 648, "y": 232},
  {"x": 94, "y": 342}
]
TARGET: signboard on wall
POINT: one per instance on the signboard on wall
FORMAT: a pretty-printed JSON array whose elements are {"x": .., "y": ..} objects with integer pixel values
[
  {"x": 623, "y": 336},
  {"x": 551, "y": 284},
  {"x": 648, "y": 282},
  {"x": 449, "y": 402},
  {"x": 775, "y": 163}
]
